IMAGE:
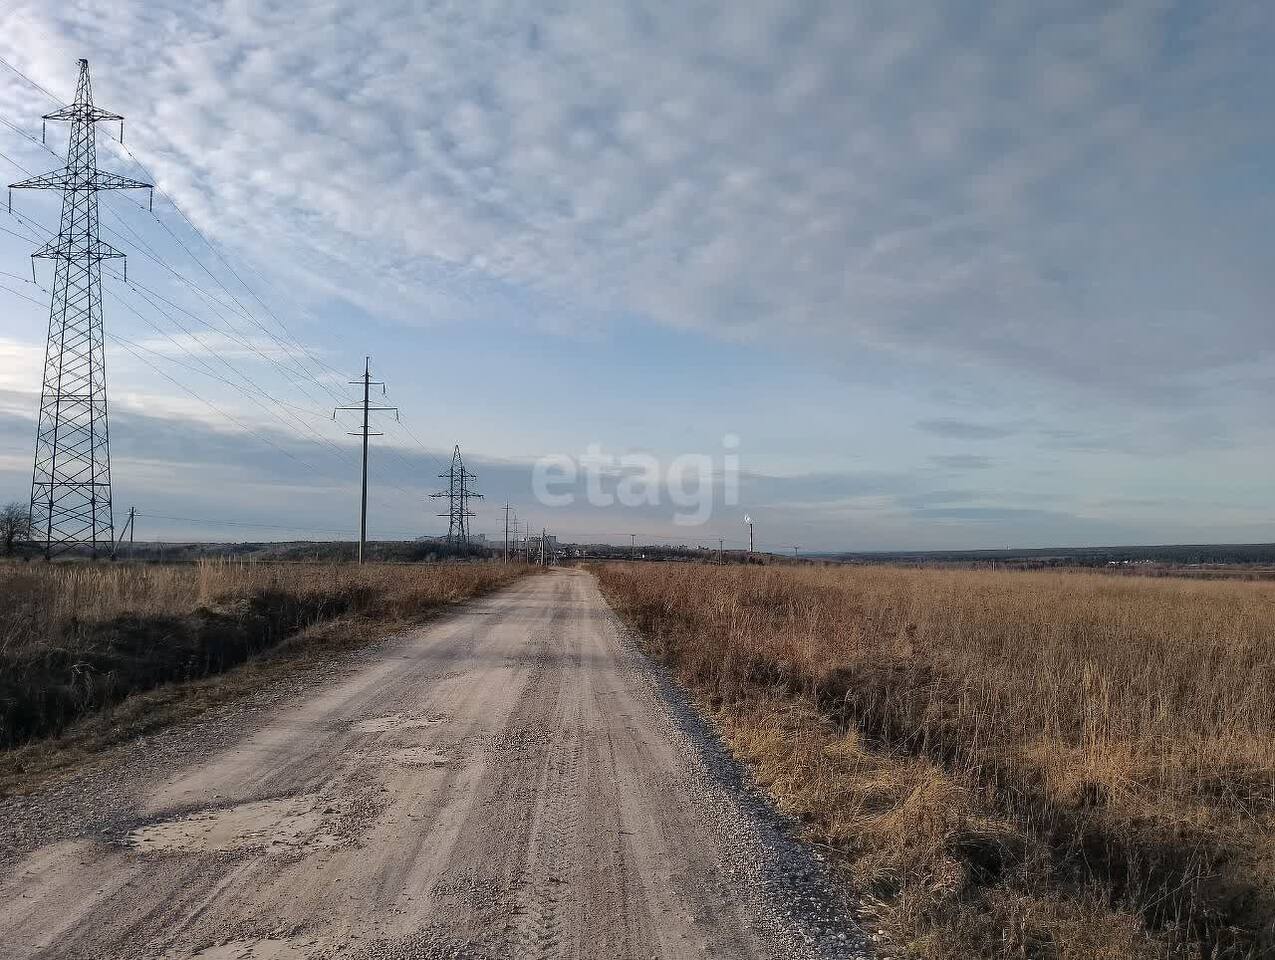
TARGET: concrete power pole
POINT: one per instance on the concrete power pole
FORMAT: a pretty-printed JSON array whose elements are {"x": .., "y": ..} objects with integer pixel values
[
  {"x": 367, "y": 382},
  {"x": 506, "y": 531},
  {"x": 749, "y": 521},
  {"x": 542, "y": 546},
  {"x": 721, "y": 544},
  {"x": 128, "y": 528}
]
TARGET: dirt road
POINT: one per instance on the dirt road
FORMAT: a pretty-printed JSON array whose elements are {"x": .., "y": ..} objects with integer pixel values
[{"x": 512, "y": 781}]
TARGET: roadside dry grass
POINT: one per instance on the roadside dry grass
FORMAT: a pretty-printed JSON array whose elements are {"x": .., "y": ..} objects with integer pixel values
[
  {"x": 91, "y": 655},
  {"x": 1015, "y": 765}
]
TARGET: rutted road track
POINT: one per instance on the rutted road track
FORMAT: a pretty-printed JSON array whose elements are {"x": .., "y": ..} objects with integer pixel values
[{"x": 512, "y": 781}]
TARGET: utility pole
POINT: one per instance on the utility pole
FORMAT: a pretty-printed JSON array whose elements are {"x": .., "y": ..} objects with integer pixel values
[
  {"x": 506, "y": 531},
  {"x": 128, "y": 528},
  {"x": 71, "y": 480},
  {"x": 721, "y": 543},
  {"x": 632, "y": 545},
  {"x": 367, "y": 409},
  {"x": 749, "y": 521},
  {"x": 794, "y": 551},
  {"x": 542, "y": 546}
]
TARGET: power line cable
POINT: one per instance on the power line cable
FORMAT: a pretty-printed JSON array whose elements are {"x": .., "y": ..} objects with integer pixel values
[
  {"x": 31, "y": 223},
  {"x": 33, "y": 83},
  {"x": 129, "y": 345},
  {"x": 243, "y": 523},
  {"x": 251, "y": 384},
  {"x": 147, "y": 250},
  {"x": 242, "y": 309},
  {"x": 16, "y": 293},
  {"x": 155, "y": 257},
  {"x": 252, "y": 524}
]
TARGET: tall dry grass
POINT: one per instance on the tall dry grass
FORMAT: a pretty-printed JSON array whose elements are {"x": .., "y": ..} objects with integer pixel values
[
  {"x": 1017, "y": 764},
  {"x": 75, "y": 638}
]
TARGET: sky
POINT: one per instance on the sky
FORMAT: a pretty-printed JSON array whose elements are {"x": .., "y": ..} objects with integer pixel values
[{"x": 941, "y": 275}]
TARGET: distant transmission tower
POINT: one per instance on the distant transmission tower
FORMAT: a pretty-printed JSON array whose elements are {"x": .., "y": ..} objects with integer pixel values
[
  {"x": 71, "y": 485},
  {"x": 458, "y": 495}
]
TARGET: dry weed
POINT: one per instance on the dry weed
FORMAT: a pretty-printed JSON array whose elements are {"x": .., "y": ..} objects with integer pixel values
[
  {"x": 1017, "y": 764},
  {"x": 79, "y": 637}
]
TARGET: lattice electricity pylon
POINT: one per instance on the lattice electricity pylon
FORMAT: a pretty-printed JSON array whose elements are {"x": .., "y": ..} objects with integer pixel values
[
  {"x": 458, "y": 496},
  {"x": 71, "y": 484}
]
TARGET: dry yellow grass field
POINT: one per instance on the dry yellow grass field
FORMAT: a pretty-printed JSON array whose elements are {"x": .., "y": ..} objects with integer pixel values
[
  {"x": 1013, "y": 764},
  {"x": 77, "y": 637}
]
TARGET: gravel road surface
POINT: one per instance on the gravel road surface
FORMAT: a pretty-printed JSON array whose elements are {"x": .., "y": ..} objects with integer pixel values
[{"x": 514, "y": 780}]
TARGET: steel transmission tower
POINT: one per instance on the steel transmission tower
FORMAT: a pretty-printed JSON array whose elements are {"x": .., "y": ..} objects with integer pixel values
[
  {"x": 458, "y": 495},
  {"x": 71, "y": 484}
]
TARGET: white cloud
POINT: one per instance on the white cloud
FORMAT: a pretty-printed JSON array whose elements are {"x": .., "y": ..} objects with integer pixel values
[
  {"x": 959, "y": 183},
  {"x": 17, "y": 360},
  {"x": 1040, "y": 201}
]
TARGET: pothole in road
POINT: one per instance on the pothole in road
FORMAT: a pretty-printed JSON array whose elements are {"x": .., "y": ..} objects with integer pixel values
[
  {"x": 243, "y": 950},
  {"x": 290, "y": 823},
  {"x": 419, "y": 757},
  {"x": 396, "y": 721}
]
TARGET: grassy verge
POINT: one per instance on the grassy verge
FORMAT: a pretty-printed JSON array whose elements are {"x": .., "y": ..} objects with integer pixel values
[
  {"x": 1013, "y": 764},
  {"x": 91, "y": 655}
]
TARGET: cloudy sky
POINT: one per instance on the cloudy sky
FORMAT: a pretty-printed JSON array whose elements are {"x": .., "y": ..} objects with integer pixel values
[{"x": 955, "y": 274}]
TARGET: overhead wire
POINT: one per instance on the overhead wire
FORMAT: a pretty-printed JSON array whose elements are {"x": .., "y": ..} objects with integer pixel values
[
  {"x": 17, "y": 293},
  {"x": 246, "y": 523},
  {"x": 142, "y": 292},
  {"x": 252, "y": 524},
  {"x": 347, "y": 455},
  {"x": 32, "y": 225},
  {"x": 243, "y": 310},
  {"x": 233, "y": 419},
  {"x": 216, "y": 252},
  {"x": 248, "y": 344}
]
